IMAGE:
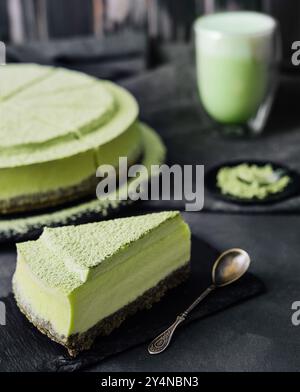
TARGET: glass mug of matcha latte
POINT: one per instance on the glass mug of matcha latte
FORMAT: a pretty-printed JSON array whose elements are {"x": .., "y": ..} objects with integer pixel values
[{"x": 237, "y": 57}]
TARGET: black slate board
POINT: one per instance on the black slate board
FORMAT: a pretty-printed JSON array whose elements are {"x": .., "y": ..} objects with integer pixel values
[{"x": 23, "y": 348}]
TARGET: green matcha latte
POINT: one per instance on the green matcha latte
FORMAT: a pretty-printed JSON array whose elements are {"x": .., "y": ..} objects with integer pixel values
[{"x": 233, "y": 52}]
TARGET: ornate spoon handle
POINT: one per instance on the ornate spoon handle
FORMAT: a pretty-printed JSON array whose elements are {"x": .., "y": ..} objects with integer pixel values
[{"x": 162, "y": 341}]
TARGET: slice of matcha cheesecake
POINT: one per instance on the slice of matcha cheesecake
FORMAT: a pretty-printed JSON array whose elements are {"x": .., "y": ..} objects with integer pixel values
[{"x": 77, "y": 282}]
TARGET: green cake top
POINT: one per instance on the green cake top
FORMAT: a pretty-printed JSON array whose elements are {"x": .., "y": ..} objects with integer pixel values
[
  {"x": 64, "y": 257},
  {"x": 50, "y": 113},
  {"x": 92, "y": 243},
  {"x": 15, "y": 78}
]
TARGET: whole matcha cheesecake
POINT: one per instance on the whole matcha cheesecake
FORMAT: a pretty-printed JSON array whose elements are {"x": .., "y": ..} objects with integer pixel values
[
  {"x": 57, "y": 126},
  {"x": 77, "y": 282}
]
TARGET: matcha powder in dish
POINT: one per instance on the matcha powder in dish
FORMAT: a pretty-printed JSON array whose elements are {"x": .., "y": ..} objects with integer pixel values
[{"x": 246, "y": 181}]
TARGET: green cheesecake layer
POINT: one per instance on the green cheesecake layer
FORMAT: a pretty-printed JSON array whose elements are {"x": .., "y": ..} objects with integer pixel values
[
  {"x": 42, "y": 177},
  {"x": 60, "y": 121},
  {"x": 73, "y": 277},
  {"x": 154, "y": 153}
]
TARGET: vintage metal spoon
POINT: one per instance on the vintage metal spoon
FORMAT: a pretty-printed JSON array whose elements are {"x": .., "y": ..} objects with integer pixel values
[{"x": 228, "y": 268}]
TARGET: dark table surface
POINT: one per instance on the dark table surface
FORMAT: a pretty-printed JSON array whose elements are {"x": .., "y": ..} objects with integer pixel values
[{"x": 258, "y": 334}]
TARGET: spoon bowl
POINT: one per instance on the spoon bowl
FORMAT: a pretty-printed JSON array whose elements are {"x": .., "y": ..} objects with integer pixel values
[{"x": 230, "y": 266}]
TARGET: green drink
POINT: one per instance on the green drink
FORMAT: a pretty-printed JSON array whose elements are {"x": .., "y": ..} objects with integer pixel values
[{"x": 235, "y": 64}]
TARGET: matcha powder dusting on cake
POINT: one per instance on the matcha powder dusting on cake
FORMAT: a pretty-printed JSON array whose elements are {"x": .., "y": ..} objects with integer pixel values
[{"x": 246, "y": 181}]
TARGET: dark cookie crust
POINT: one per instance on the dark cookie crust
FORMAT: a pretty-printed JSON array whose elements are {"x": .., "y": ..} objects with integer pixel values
[
  {"x": 48, "y": 199},
  {"x": 83, "y": 341}
]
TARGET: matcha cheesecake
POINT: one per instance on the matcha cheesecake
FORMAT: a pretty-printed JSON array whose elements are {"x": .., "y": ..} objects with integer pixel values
[
  {"x": 77, "y": 282},
  {"x": 57, "y": 126}
]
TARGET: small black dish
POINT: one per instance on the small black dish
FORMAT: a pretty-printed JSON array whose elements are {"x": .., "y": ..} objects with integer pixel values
[{"x": 291, "y": 190}]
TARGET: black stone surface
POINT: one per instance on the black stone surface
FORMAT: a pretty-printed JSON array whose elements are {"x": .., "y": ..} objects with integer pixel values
[
  {"x": 23, "y": 348},
  {"x": 257, "y": 335}
]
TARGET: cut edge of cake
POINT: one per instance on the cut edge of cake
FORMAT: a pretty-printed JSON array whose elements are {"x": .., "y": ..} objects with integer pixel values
[{"x": 79, "y": 342}]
